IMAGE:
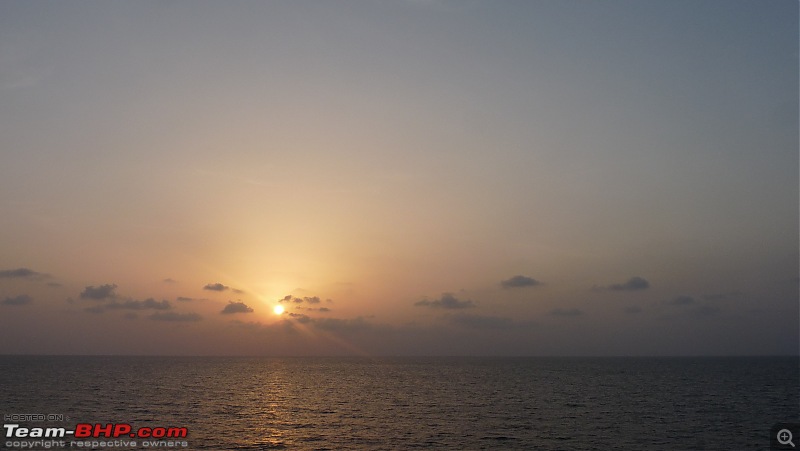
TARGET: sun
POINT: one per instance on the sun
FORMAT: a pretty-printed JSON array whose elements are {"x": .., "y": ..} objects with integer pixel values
[{"x": 278, "y": 309}]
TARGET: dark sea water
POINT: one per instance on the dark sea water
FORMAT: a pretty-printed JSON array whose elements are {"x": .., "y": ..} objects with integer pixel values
[{"x": 405, "y": 403}]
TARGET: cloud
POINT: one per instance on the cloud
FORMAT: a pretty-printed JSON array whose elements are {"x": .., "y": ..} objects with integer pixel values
[
  {"x": 682, "y": 300},
  {"x": 175, "y": 317},
  {"x": 184, "y": 299},
  {"x": 236, "y": 307},
  {"x": 215, "y": 287},
  {"x": 296, "y": 300},
  {"x": 519, "y": 282},
  {"x": 573, "y": 312},
  {"x": 169, "y": 280},
  {"x": 18, "y": 300},
  {"x": 633, "y": 309},
  {"x": 633, "y": 284},
  {"x": 99, "y": 293},
  {"x": 693, "y": 307},
  {"x": 131, "y": 304},
  {"x": 447, "y": 301},
  {"x": 22, "y": 273},
  {"x": 321, "y": 309},
  {"x": 482, "y": 322},
  {"x": 722, "y": 296},
  {"x": 300, "y": 318}
]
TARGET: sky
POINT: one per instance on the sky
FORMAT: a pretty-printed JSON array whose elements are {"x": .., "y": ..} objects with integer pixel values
[{"x": 407, "y": 177}]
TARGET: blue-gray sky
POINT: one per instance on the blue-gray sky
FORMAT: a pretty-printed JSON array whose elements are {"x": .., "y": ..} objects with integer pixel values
[{"x": 406, "y": 177}]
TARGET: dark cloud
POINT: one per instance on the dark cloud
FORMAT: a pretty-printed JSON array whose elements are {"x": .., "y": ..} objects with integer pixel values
[
  {"x": 722, "y": 296},
  {"x": 99, "y": 293},
  {"x": 236, "y": 307},
  {"x": 296, "y": 300},
  {"x": 519, "y": 282},
  {"x": 175, "y": 317},
  {"x": 300, "y": 318},
  {"x": 17, "y": 300},
  {"x": 188, "y": 299},
  {"x": 22, "y": 273},
  {"x": 482, "y": 322},
  {"x": 215, "y": 287},
  {"x": 566, "y": 312},
  {"x": 131, "y": 304},
  {"x": 54, "y": 284},
  {"x": 169, "y": 280},
  {"x": 237, "y": 291},
  {"x": 682, "y": 300},
  {"x": 321, "y": 309},
  {"x": 633, "y": 284},
  {"x": 633, "y": 309},
  {"x": 447, "y": 301}
]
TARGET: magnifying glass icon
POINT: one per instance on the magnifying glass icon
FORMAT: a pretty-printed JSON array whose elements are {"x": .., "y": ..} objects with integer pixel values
[{"x": 785, "y": 437}]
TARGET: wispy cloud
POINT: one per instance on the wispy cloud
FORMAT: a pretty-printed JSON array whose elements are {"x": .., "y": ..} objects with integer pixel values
[
  {"x": 296, "y": 300},
  {"x": 722, "y": 296},
  {"x": 184, "y": 299},
  {"x": 682, "y": 300},
  {"x": 519, "y": 282},
  {"x": 22, "y": 299},
  {"x": 131, "y": 304},
  {"x": 447, "y": 301},
  {"x": 635, "y": 283},
  {"x": 22, "y": 273},
  {"x": 99, "y": 293},
  {"x": 149, "y": 303}
]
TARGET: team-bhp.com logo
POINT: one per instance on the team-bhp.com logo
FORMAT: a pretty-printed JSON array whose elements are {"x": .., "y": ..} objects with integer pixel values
[
  {"x": 122, "y": 434},
  {"x": 87, "y": 430}
]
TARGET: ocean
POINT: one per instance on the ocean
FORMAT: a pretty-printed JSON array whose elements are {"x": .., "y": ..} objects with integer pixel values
[{"x": 459, "y": 403}]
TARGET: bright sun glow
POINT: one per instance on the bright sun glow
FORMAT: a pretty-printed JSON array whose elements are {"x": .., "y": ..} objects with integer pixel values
[{"x": 278, "y": 309}]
